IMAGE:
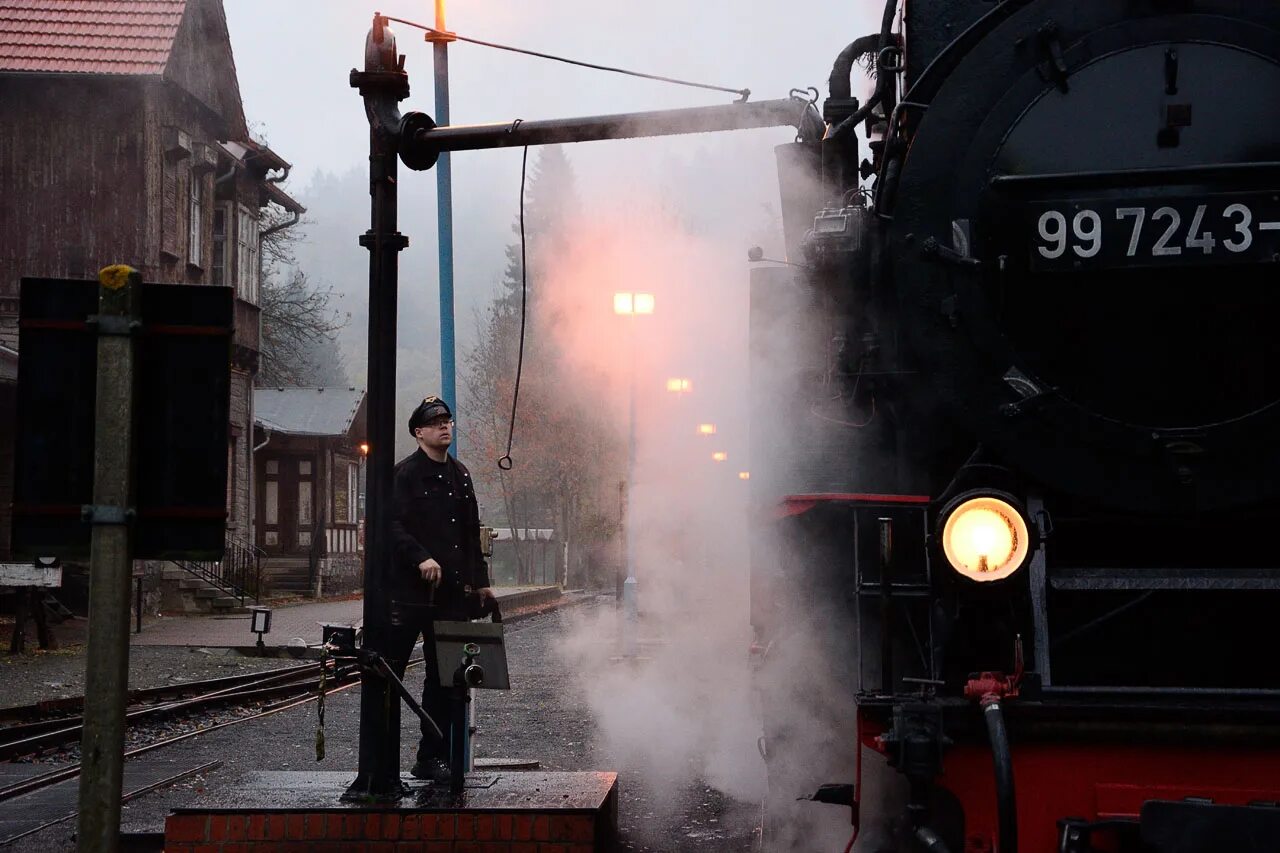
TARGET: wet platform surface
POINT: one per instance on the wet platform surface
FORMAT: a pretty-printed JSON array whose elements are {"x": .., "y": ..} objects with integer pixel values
[{"x": 505, "y": 791}]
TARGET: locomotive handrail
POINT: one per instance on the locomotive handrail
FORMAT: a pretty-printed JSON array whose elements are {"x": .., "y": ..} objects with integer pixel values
[{"x": 1138, "y": 177}]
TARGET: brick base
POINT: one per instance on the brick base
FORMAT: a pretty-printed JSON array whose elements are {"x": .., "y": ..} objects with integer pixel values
[{"x": 484, "y": 821}]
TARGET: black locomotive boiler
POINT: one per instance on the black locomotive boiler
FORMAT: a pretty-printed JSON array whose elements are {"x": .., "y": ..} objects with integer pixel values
[{"x": 1026, "y": 495}]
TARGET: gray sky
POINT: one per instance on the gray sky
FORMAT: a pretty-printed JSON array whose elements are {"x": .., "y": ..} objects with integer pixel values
[{"x": 293, "y": 57}]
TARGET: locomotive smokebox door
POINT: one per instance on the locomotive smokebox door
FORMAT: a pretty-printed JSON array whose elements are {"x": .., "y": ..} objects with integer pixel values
[{"x": 461, "y": 646}]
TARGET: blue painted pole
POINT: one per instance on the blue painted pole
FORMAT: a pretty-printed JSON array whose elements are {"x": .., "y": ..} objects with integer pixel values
[
  {"x": 444, "y": 215},
  {"x": 444, "y": 226}
]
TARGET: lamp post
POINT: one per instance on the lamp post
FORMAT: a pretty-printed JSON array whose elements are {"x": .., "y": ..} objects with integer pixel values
[
  {"x": 631, "y": 305},
  {"x": 440, "y": 39}
]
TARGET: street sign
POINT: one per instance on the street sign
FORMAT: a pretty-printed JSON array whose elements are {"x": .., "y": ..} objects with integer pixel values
[{"x": 183, "y": 387}]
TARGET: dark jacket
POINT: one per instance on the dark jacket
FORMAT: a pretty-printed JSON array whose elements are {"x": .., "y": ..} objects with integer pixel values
[{"x": 434, "y": 515}]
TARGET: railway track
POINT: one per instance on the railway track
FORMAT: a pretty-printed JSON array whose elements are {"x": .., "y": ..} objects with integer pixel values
[{"x": 34, "y": 732}]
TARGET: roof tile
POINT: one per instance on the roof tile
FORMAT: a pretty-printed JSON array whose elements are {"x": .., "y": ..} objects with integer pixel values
[{"x": 88, "y": 36}]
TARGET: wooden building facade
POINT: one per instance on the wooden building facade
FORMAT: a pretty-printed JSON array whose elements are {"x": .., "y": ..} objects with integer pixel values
[
  {"x": 309, "y": 488},
  {"x": 124, "y": 141}
]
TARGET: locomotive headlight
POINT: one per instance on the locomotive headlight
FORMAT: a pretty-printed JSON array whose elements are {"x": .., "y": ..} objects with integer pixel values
[{"x": 985, "y": 538}]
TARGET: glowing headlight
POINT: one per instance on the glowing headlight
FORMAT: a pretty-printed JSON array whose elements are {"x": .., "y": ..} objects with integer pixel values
[{"x": 985, "y": 539}]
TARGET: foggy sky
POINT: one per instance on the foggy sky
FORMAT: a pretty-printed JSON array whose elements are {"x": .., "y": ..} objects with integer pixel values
[{"x": 293, "y": 59}]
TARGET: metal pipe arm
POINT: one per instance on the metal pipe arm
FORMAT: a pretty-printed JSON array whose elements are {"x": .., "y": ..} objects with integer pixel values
[{"x": 421, "y": 141}]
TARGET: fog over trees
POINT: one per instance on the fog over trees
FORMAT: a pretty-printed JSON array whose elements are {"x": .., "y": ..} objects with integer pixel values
[
  {"x": 299, "y": 320},
  {"x": 567, "y": 456}
]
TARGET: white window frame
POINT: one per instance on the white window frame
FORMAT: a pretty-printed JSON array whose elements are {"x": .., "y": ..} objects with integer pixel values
[
  {"x": 195, "y": 219},
  {"x": 222, "y": 243},
  {"x": 247, "y": 254}
]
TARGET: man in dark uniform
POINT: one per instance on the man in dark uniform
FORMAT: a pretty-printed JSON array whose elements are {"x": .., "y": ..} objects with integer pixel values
[{"x": 435, "y": 537}]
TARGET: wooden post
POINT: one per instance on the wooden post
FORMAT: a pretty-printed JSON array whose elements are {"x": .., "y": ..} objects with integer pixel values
[
  {"x": 18, "y": 640},
  {"x": 110, "y": 562}
]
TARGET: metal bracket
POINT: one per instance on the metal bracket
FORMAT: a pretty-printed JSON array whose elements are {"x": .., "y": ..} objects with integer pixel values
[
  {"x": 107, "y": 515},
  {"x": 396, "y": 240},
  {"x": 1028, "y": 404},
  {"x": 935, "y": 251},
  {"x": 114, "y": 324},
  {"x": 1054, "y": 67}
]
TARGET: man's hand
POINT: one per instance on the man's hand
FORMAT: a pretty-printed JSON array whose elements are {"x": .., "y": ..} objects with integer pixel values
[
  {"x": 486, "y": 594},
  {"x": 430, "y": 571}
]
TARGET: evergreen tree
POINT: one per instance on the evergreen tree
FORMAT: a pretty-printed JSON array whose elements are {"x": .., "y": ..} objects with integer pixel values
[{"x": 562, "y": 450}]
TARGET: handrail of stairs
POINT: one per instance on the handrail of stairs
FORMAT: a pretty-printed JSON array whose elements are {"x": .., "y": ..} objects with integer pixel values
[{"x": 238, "y": 573}]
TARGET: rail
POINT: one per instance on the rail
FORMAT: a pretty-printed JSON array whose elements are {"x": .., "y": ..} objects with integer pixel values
[
  {"x": 238, "y": 573},
  {"x": 260, "y": 694}
]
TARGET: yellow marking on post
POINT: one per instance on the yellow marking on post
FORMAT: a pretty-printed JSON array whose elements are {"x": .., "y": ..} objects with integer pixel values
[{"x": 115, "y": 276}]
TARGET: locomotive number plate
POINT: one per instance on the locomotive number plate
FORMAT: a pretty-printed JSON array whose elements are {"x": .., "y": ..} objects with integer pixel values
[{"x": 1212, "y": 229}]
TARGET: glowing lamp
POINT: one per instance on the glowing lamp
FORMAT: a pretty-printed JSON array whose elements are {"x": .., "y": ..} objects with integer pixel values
[
  {"x": 633, "y": 303},
  {"x": 985, "y": 538},
  {"x": 706, "y": 429},
  {"x": 744, "y": 475},
  {"x": 364, "y": 448},
  {"x": 719, "y": 456},
  {"x": 679, "y": 386}
]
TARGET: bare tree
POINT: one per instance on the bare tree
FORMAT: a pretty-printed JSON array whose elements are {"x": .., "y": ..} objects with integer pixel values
[
  {"x": 299, "y": 324},
  {"x": 298, "y": 329}
]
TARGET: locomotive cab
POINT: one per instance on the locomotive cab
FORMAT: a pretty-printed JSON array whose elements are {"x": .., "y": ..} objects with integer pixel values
[{"x": 1034, "y": 468}]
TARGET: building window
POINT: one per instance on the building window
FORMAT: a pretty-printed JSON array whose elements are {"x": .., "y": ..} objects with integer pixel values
[
  {"x": 271, "y": 508},
  {"x": 195, "y": 221},
  {"x": 247, "y": 255},
  {"x": 353, "y": 487},
  {"x": 221, "y": 245}
]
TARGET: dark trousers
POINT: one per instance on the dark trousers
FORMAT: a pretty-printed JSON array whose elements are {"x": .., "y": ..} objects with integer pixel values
[{"x": 435, "y": 700}]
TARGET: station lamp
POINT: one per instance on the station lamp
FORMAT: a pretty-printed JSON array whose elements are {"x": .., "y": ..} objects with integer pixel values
[
  {"x": 706, "y": 429},
  {"x": 680, "y": 386},
  {"x": 633, "y": 303},
  {"x": 744, "y": 475},
  {"x": 719, "y": 456},
  {"x": 260, "y": 623}
]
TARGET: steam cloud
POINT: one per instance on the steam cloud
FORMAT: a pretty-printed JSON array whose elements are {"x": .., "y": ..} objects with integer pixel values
[{"x": 687, "y": 713}]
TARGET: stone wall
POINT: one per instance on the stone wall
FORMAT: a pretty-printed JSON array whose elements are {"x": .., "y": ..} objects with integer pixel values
[
  {"x": 238, "y": 481},
  {"x": 340, "y": 574}
]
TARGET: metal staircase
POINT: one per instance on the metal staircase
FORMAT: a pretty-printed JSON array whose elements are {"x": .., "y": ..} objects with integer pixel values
[{"x": 238, "y": 573}]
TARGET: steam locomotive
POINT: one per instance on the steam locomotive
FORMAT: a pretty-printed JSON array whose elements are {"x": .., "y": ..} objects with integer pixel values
[{"x": 1021, "y": 384}]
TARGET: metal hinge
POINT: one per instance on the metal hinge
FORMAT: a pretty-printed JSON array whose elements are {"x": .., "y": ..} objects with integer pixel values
[
  {"x": 106, "y": 515},
  {"x": 114, "y": 324}
]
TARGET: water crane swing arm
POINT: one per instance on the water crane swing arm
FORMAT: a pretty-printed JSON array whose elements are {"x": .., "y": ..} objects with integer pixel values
[{"x": 421, "y": 141}]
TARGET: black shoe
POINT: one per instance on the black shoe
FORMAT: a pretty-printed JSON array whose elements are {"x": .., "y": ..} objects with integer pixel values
[{"x": 432, "y": 770}]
